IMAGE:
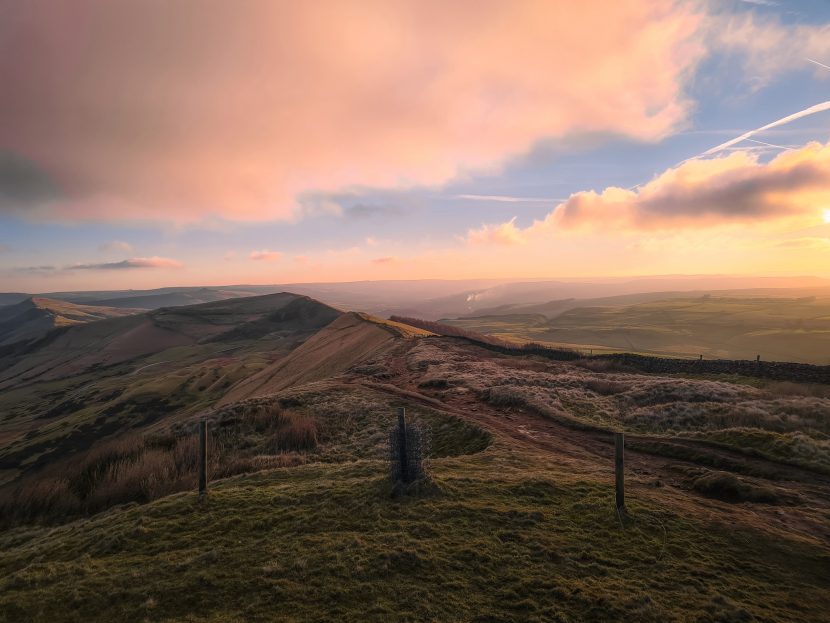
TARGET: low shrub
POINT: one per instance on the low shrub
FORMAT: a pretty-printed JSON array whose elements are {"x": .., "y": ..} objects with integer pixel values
[
  {"x": 605, "y": 387},
  {"x": 133, "y": 468},
  {"x": 730, "y": 488}
]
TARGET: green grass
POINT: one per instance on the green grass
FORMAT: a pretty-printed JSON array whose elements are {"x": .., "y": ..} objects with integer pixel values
[
  {"x": 498, "y": 537},
  {"x": 500, "y": 533}
]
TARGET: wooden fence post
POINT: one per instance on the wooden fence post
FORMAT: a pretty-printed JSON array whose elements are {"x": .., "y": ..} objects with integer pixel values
[
  {"x": 202, "y": 457},
  {"x": 402, "y": 444},
  {"x": 619, "y": 465}
]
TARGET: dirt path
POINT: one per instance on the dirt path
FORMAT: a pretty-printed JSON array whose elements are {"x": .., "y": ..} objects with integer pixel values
[{"x": 665, "y": 478}]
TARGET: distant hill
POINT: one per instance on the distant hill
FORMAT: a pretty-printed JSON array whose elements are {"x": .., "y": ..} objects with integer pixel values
[
  {"x": 35, "y": 317},
  {"x": 192, "y": 296},
  {"x": 12, "y": 298},
  {"x": 729, "y": 327},
  {"x": 433, "y": 299}
]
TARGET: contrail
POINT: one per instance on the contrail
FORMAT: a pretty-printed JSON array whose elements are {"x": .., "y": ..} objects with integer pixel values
[
  {"x": 812, "y": 110},
  {"x": 817, "y": 63},
  {"x": 768, "y": 144},
  {"x": 506, "y": 198},
  {"x": 747, "y": 136}
]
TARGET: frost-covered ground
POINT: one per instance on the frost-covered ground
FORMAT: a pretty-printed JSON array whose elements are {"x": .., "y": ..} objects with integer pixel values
[{"x": 780, "y": 421}]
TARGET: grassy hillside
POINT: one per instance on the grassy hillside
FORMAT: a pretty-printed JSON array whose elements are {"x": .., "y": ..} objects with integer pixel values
[
  {"x": 718, "y": 327},
  {"x": 92, "y": 381},
  {"x": 507, "y": 534},
  {"x": 35, "y": 317},
  {"x": 346, "y": 342},
  {"x": 727, "y": 481}
]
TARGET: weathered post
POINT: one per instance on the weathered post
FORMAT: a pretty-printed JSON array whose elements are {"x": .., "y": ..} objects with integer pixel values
[
  {"x": 202, "y": 457},
  {"x": 402, "y": 444},
  {"x": 619, "y": 465}
]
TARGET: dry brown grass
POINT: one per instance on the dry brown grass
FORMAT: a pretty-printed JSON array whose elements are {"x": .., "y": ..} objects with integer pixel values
[
  {"x": 788, "y": 388},
  {"x": 133, "y": 468},
  {"x": 786, "y": 422}
]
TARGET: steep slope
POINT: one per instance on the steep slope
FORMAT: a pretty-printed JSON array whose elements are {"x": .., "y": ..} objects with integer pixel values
[
  {"x": 86, "y": 382},
  {"x": 349, "y": 340},
  {"x": 36, "y": 316},
  {"x": 71, "y": 350}
]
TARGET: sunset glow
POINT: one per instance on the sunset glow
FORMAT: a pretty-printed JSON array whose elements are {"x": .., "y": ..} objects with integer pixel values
[{"x": 230, "y": 141}]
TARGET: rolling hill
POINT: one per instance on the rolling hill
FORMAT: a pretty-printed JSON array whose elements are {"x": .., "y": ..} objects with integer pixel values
[
  {"x": 35, "y": 317},
  {"x": 83, "y": 383},
  {"x": 433, "y": 299}
]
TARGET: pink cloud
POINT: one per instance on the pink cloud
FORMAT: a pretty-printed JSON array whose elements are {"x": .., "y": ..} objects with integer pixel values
[
  {"x": 233, "y": 110},
  {"x": 386, "y": 260},
  {"x": 265, "y": 255},
  {"x": 737, "y": 188},
  {"x": 695, "y": 195}
]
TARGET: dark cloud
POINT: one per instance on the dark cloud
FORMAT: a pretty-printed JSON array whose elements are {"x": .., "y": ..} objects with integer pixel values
[
  {"x": 35, "y": 269},
  {"x": 23, "y": 183},
  {"x": 355, "y": 205},
  {"x": 735, "y": 188},
  {"x": 136, "y": 262},
  {"x": 366, "y": 210},
  {"x": 755, "y": 195}
]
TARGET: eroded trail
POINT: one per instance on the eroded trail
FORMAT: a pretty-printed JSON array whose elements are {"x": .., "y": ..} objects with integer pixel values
[{"x": 804, "y": 510}]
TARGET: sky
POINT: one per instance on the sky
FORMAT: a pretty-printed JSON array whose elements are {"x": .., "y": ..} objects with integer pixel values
[{"x": 201, "y": 142}]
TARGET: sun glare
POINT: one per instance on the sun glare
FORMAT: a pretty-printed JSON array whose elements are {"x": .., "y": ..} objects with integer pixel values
[{"x": 827, "y": 215}]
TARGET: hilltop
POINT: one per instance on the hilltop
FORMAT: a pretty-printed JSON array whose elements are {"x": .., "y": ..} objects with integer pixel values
[{"x": 36, "y": 316}]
